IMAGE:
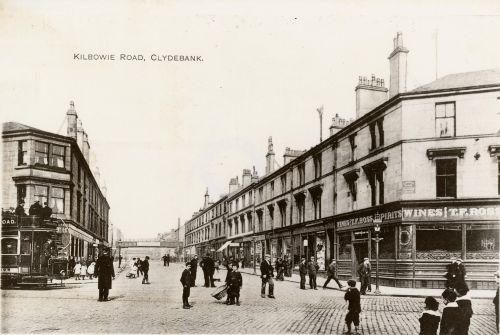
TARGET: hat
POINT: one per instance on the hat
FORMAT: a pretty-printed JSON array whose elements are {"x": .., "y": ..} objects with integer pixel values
[
  {"x": 235, "y": 264},
  {"x": 459, "y": 260},
  {"x": 188, "y": 264}
]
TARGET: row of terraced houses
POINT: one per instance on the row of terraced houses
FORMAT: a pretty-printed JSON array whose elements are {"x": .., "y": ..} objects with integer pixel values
[{"x": 423, "y": 164}]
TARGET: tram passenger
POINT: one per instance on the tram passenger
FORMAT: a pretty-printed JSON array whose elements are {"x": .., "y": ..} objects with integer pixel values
[
  {"x": 20, "y": 209},
  {"x": 36, "y": 208}
]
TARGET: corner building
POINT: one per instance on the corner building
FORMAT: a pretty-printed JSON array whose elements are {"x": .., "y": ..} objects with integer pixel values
[{"x": 44, "y": 166}]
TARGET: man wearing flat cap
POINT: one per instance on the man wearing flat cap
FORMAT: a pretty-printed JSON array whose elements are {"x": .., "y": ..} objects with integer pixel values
[
  {"x": 105, "y": 273},
  {"x": 194, "y": 268},
  {"x": 364, "y": 272}
]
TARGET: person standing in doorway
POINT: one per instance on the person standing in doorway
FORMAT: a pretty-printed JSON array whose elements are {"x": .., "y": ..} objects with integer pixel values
[
  {"x": 331, "y": 272},
  {"x": 267, "y": 274},
  {"x": 105, "y": 273},
  {"x": 364, "y": 272}
]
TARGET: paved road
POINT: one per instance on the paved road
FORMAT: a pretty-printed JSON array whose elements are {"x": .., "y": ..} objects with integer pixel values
[{"x": 157, "y": 308}]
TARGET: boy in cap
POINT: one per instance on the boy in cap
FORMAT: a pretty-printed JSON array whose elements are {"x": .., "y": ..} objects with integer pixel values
[
  {"x": 465, "y": 307},
  {"x": 235, "y": 282},
  {"x": 354, "y": 298},
  {"x": 451, "y": 314},
  {"x": 186, "y": 281}
]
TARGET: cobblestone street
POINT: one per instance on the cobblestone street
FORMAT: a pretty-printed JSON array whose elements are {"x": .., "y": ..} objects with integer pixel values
[{"x": 157, "y": 308}]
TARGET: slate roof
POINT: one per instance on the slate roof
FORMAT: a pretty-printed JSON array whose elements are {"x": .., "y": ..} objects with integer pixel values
[
  {"x": 14, "y": 126},
  {"x": 462, "y": 80}
]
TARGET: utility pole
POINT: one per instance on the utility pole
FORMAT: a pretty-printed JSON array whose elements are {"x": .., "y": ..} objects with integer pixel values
[{"x": 320, "y": 112}]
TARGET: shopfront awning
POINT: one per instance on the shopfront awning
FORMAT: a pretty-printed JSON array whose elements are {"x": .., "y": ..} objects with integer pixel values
[{"x": 224, "y": 246}]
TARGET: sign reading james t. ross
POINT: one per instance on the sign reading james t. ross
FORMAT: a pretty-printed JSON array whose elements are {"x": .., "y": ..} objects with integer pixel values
[{"x": 426, "y": 214}]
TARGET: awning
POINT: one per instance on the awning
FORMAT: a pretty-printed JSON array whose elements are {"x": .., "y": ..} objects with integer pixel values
[{"x": 224, "y": 246}]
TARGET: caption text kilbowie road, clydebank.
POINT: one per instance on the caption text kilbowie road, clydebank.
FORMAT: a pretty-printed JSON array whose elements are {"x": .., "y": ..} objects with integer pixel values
[{"x": 137, "y": 57}]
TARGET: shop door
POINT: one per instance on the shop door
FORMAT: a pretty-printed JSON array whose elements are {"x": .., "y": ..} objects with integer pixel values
[{"x": 360, "y": 252}]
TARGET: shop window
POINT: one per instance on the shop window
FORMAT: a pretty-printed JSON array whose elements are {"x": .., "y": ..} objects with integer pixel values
[
  {"x": 296, "y": 251},
  {"x": 446, "y": 178},
  {"x": 41, "y": 194},
  {"x": 57, "y": 200},
  {"x": 345, "y": 246},
  {"x": 41, "y": 153},
  {"x": 9, "y": 246},
  {"x": 482, "y": 241},
  {"x": 22, "y": 153},
  {"x": 439, "y": 242},
  {"x": 386, "y": 247},
  {"x": 320, "y": 248},
  {"x": 445, "y": 119}
]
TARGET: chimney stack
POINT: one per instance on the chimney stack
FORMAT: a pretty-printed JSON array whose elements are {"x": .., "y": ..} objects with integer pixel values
[
  {"x": 369, "y": 94},
  {"x": 233, "y": 185},
  {"x": 290, "y": 155},
  {"x": 398, "y": 67},
  {"x": 255, "y": 176},
  {"x": 246, "y": 179},
  {"x": 337, "y": 124},
  {"x": 72, "y": 120},
  {"x": 270, "y": 156},
  {"x": 86, "y": 147},
  {"x": 205, "y": 204}
]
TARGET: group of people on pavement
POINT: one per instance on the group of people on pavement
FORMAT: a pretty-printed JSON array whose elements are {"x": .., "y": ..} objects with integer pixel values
[
  {"x": 139, "y": 267},
  {"x": 166, "y": 260}
]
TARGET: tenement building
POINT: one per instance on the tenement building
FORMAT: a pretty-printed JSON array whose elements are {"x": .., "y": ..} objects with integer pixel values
[
  {"x": 419, "y": 168},
  {"x": 48, "y": 167}
]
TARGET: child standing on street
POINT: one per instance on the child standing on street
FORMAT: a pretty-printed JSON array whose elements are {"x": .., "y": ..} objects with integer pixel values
[
  {"x": 83, "y": 270},
  {"x": 465, "y": 307},
  {"x": 235, "y": 282},
  {"x": 186, "y": 280},
  {"x": 429, "y": 321},
  {"x": 77, "y": 269},
  {"x": 354, "y": 298},
  {"x": 450, "y": 322}
]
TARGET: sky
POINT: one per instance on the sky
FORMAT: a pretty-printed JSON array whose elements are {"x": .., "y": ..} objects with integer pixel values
[{"x": 164, "y": 132}]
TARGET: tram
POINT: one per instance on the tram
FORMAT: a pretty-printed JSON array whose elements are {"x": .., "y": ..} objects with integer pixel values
[{"x": 31, "y": 252}]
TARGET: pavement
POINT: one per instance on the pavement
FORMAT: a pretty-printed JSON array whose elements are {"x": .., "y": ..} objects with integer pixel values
[
  {"x": 384, "y": 290},
  {"x": 157, "y": 308}
]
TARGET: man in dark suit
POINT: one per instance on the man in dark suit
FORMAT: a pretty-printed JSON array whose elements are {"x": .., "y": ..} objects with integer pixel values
[
  {"x": 303, "y": 272},
  {"x": 364, "y": 272},
  {"x": 105, "y": 273},
  {"x": 313, "y": 268},
  {"x": 36, "y": 208},
  {"x": 145, "y": 270},
  {"x": 194, "y": 268},
  {"x": 46, "y": 211},
  {"x": 208, "y": 266},
  {"x": 266, "y": 273},
  {"x": 186, "y": 281},
  {"x": 20, "y": 209}
]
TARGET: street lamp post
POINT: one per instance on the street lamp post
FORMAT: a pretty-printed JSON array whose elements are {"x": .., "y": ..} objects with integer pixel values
[{"x": 377, "y": 240}]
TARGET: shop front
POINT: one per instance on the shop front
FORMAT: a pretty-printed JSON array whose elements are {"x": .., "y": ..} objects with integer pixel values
[{"x": 419, "y": 239}]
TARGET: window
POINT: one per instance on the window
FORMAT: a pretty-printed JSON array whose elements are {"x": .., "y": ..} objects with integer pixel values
[
  {"x": 78, "y": 206},
  {"x": 21, "y": 193},
  {"x": 317, "y": 206},
  {"x": 377, "y": 134},
  {"x": 272, "y": 188},
  {"x": 259, "y": 220},
  {"x": 376, "y": 180},
  {"x": 243, "y": 201},
  {"x": 317, "y": 166},
  {"x": 446, "y": 178},
  {"x": 22, "y": 153},
  {"x": 57, "y": 199},
  {"x": 300, "y": 202},
  {"x": 236, "y": 226},
  {"x": 41, "y": 153},
  {"x": 237, "y": 204},
  {"x": 261, "y": 194},
  {"x": 41, "y": 193},
  {"x": 439, "y": 241},
  {"x": 282, "y": 208},
  {"x": 351, "y": 178},
  {"x": 482, "y": 241},
  {"x": 445, "y": 119},
  {"x": 57, "y": 158},
  {"x": 250, "y": 197},
  {"x": 352, "y": 143},
  {"x": 9, "y": 246},
  {"x": 283, "y": 183},
  {"x": 302, "y": 173}
]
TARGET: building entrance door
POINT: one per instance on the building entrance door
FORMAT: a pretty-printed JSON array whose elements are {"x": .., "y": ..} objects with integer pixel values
[{"x": 360, "y": 252}]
